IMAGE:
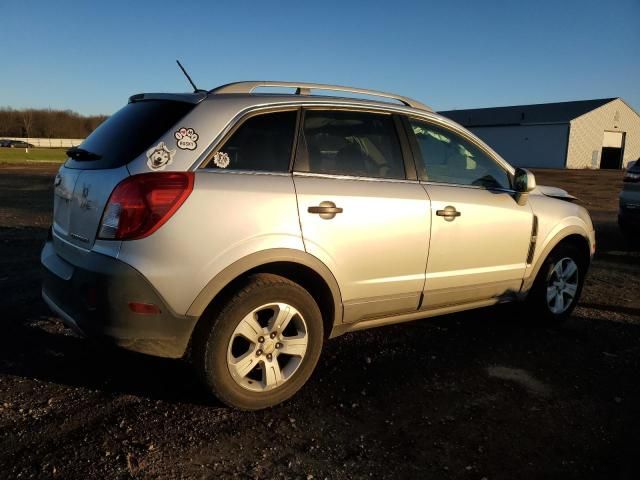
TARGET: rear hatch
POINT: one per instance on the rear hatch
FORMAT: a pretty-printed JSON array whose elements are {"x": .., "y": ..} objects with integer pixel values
[{"x": 83, "y": 185}]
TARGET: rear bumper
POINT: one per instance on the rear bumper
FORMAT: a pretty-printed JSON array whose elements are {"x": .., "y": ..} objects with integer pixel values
[{"x": 92, "y": 296}]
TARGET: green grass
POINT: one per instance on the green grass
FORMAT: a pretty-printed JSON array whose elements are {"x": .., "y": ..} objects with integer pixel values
[{"x": 18, "y": 155}]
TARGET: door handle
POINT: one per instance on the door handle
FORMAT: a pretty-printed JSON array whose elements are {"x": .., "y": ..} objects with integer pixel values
[
  {"x": 326, "y": 210},
  {"x": 449, "y": 213}
]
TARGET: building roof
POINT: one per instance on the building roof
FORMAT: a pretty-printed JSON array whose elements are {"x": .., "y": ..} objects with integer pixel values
[{"x": 561, "y": 112}]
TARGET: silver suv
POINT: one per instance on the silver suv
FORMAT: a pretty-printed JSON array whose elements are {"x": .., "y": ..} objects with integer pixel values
[{"x": 242, "y": 229}]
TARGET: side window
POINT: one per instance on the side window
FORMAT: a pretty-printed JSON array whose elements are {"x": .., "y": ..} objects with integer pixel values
[
  {"x": 449, "y": 158},
  {"x": 358, "y": 144},
  {"x": 261, "y": 143}
]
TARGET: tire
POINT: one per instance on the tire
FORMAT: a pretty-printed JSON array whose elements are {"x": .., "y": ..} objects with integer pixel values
[
  {"x": 557, "y": 273},
  {"x": 244, "y": 359}
]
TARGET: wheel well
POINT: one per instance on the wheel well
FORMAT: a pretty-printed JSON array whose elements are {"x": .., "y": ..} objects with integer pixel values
[
  {"x": 304, "y": 276},
  {"x": 580, "y": 243}
]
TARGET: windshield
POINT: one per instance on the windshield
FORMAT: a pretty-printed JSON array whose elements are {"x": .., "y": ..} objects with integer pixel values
[{"x": 127, "y": 133}]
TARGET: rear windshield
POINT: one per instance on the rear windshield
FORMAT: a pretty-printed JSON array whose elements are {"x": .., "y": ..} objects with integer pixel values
[{"x": 129, "y": 132}]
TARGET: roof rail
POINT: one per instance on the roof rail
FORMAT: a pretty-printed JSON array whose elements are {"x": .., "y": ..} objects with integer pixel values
[{"x": 305, "y": 89}]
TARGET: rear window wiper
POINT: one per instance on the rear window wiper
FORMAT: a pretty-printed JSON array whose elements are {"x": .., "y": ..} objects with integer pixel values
[{"x": 78, "y": 153}]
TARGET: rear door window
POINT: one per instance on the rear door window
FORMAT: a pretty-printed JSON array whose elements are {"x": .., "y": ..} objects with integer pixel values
[
  {"x": 262, "y": 143},
  {"x": 129, "y": 132},
  {"x": 359, "y": 144}
]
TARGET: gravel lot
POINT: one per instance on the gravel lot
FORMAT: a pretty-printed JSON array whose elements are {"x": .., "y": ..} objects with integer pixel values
[{"x": 477, "y": 395}]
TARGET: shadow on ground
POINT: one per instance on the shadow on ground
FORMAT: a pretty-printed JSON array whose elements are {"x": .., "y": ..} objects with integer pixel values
[{"x": 471, "y": 395}]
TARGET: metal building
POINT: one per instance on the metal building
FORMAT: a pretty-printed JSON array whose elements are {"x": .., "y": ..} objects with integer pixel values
[{"x": 601, "y": 133}]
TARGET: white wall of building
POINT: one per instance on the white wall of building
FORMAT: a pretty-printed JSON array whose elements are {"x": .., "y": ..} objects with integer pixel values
[
  {"x": 539, "y": 146},
  {"x": 49, "y": 142},
  {"x": 587, "y": 134}
]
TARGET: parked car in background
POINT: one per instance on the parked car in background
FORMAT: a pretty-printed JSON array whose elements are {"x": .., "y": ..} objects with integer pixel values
[
  {"x": 15, "y": 144},
  {"x": 629, "y": 210},
  {"x": 242, "y": 229}
]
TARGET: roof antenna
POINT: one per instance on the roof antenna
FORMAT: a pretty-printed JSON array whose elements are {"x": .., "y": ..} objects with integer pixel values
[{"x": 195, "y": 89}]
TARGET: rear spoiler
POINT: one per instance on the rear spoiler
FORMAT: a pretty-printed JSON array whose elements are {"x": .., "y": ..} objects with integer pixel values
[{"x": 176, "y": 97}]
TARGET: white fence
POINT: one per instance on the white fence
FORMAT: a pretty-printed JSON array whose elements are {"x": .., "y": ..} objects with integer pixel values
[{"x": 48, "y": 142}]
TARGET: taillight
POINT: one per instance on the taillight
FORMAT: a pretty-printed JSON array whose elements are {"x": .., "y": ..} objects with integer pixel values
[
  {"x": 631, "y": 177},
  {"x": 141, "y": 204}
]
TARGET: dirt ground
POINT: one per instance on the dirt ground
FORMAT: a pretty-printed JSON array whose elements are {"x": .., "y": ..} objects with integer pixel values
[{"x": 471, "y": 396}]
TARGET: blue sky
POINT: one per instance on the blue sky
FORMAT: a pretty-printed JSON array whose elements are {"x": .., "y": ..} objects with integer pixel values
[{"x": 90, "y": 56}]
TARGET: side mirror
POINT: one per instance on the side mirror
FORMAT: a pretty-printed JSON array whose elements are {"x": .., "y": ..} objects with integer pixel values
[{"x": 523, "y": 182}]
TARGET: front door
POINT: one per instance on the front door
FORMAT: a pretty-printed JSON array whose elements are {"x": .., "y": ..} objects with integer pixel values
[
  {"x": 480, "y": 236},
  {"x": 358, "y": 212}
]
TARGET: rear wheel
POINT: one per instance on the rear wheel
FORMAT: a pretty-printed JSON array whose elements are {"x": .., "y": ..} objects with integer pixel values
[
  {"x": 263, "y": 345},
  {"x": 558, "y": 285}
]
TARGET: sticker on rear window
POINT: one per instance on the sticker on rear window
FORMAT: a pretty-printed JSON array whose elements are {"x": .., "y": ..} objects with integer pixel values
[
  {"x": 187, "y": 138},
  {"x": 221, "y": 159},
  {"x": 159, "y": 157}
]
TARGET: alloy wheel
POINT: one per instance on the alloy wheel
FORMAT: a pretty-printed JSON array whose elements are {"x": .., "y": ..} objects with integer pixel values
[
  {"x": 562, "y": 285},
  {"x": 267, "y": 347}
]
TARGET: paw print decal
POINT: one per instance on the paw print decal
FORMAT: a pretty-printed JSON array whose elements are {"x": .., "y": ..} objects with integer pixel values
[
  {"x": 159, "y": 157},
  {"x": 187, "y": 138}
]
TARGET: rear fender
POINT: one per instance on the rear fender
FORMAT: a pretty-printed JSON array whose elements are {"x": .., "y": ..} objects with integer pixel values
[{"x": 258, "y": 259}]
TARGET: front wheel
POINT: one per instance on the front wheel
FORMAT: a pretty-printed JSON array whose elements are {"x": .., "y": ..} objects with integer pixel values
[
  {"x": 557, "y": 288},
  {"x": 263, "y": 345}
]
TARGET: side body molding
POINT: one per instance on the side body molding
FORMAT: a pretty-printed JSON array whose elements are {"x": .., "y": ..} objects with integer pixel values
[{"x": 262, "y": 258}]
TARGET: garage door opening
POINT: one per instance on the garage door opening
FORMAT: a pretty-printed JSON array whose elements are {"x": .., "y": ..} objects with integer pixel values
[{"x": 612, "y": 150}]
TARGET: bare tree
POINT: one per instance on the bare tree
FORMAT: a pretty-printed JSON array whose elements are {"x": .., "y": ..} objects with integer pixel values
[
  {"x": 27, "y": 123},
  {"x": 4, "y": 122},
  {"x": 7, "y": 122},
  {"x": 48, "y": 125},
  {"x": 36, "y": 123}
]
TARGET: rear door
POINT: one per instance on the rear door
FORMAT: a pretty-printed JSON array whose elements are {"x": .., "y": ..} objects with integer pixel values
[
  {"x": 83, "y": 185},
  {"x": 480, "y": 236},
  {"x": 360, "y": 214}
]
